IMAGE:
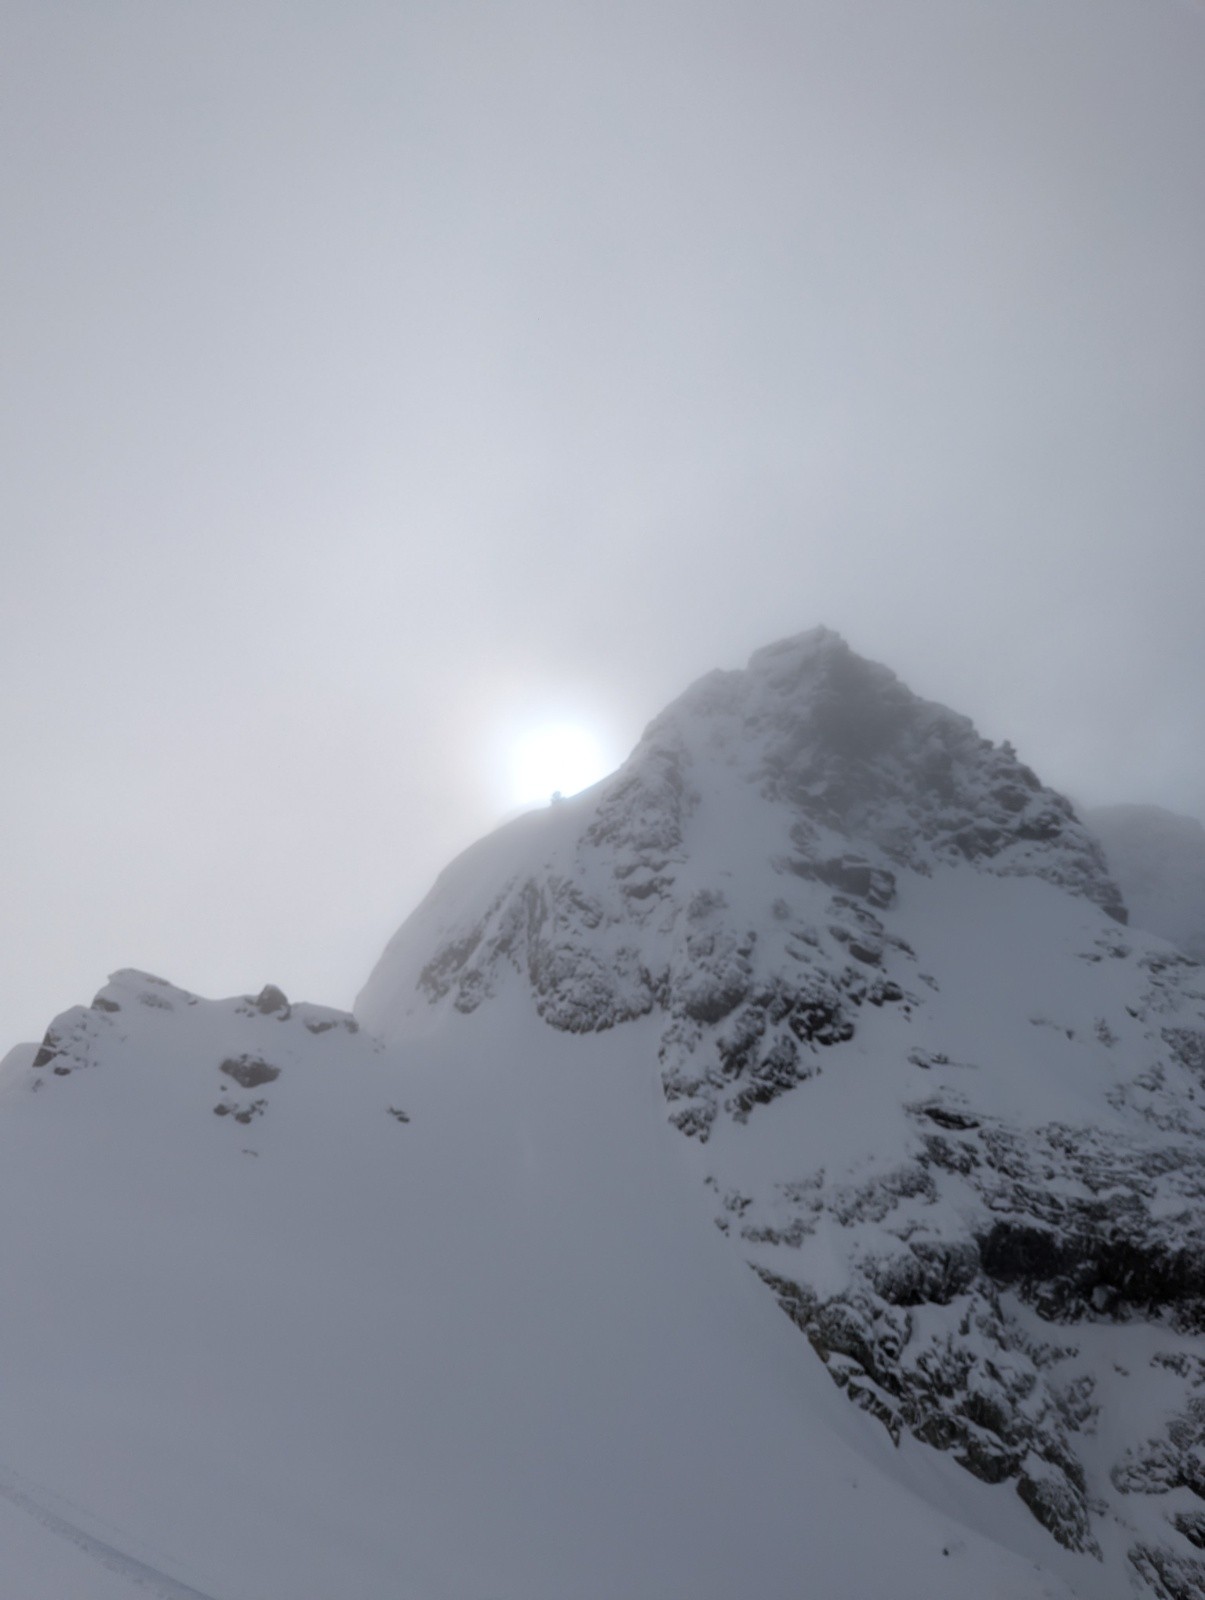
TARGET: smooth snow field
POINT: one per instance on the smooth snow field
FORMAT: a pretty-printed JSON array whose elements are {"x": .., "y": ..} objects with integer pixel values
[{"x": 497, "y": 1352}]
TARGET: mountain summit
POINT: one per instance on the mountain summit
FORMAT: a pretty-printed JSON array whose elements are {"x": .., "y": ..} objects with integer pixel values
[
  {"x": 812, "y": 763},
  {"x": 453, "y": 1298},
  {"x": 680, "y": 886},
  {"x": 951, "y": 1106}
]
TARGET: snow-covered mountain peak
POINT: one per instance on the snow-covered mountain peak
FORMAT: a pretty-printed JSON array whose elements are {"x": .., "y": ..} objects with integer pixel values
[
  {"x": 946, "y": 1106},
  {"x": 451, "y": 1297},
  {"x": 810, "y": 764}
]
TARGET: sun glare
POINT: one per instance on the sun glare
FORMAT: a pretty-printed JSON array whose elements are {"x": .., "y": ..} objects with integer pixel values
[{"x": 559, "y": 758}]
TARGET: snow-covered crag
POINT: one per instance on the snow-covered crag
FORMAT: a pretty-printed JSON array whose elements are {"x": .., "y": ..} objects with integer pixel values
[{"x": 945, "y": 1102}]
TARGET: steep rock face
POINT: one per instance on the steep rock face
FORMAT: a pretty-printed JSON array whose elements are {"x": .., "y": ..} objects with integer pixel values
[
  {"x": 1158, "y": 859},
  {"x": 947, "y": 1106}
]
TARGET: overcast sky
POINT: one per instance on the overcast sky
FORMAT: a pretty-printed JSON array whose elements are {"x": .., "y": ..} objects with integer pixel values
[{"x": 381, "y": 378}]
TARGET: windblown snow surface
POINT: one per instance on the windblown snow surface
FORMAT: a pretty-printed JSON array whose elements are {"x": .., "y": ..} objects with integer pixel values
[{"x": 438, "y": 1306}]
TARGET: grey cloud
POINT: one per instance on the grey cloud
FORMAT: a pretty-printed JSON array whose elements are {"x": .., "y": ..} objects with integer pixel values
[{"x": 376, "y": 375}]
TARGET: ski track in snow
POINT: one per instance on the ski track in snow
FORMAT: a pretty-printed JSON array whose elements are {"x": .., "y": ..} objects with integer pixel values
[{"x": 115, "y": 1560}]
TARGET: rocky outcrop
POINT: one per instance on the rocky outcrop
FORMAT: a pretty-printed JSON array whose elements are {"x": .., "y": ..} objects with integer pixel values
[{"x": 248, "y": 1071}]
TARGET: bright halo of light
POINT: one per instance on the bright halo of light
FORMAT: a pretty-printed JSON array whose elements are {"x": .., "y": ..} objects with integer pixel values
[{"x": 558, "y": 758}]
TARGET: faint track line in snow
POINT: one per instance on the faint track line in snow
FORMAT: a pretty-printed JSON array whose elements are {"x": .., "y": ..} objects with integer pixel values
[{"x": 115, "y": 1560}]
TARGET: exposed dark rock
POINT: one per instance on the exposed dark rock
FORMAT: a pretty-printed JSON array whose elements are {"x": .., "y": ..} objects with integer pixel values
[
  {"x": 271, "y": 1001},
  {"x": 1002, "y": 1422},
  {"x": 49, "y": 1049},
  {"x": 1015, "y": 1250},
  {"x": 1184, "y": 1364},
  {"x": 1188, "y": 1045},
  {"x": 1086, "y": 1248},
  {"x": 946, "y": 1117},
  {"x": 1168, "y": 1575},
  {"x": 1176, "y": 1461},
  {"x": 243, "y": 1113},
  {"x": 249, "y": 1071},
  {"x": 1153, "y": 1468},
  {"x": 928, "y": 1272},
  {"x": 1192, "y": 1525},
  {"x": 1057, "y": 1506}
]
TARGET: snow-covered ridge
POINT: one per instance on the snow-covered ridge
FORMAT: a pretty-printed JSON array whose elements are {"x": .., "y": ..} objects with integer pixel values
[{"x": 253, "y": 1038}]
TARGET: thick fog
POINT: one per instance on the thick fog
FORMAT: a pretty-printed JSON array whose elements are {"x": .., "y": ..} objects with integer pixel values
[{"x": 383, "y": 381}]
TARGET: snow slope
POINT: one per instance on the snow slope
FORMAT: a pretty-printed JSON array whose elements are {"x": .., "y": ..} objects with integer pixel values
[{"x": 497, "y": 1350}]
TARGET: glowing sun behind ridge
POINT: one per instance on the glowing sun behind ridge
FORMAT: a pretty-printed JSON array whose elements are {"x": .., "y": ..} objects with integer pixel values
[{"x": 560, "y": 757}]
